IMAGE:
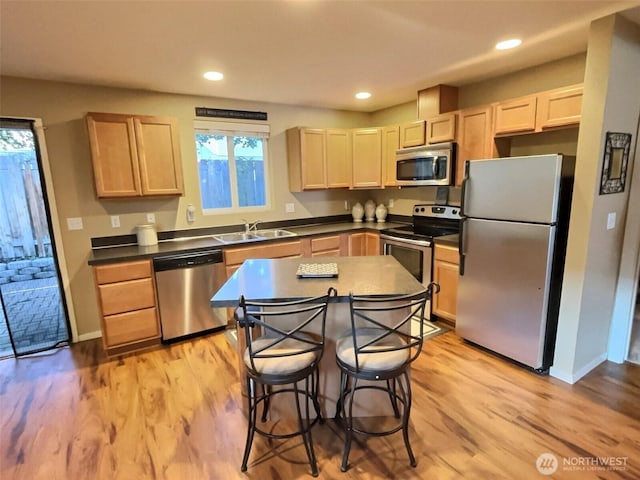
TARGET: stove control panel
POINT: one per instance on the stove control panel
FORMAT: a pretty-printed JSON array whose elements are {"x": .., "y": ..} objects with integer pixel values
[{"x": 437, "y": 211}]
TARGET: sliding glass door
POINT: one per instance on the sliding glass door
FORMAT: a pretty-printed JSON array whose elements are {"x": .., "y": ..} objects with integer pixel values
[{"x": 33, "y": 313}]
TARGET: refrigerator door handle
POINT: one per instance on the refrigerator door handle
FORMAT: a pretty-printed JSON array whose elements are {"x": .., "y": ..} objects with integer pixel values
[
  {"x": 461, "y": 246},
  {"x": 464, "y": 187}
]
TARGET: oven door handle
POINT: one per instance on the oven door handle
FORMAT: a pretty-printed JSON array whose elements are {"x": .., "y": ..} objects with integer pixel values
[
  {"x": 461, "y": 246},
  {"x": 419, "y": 243}
]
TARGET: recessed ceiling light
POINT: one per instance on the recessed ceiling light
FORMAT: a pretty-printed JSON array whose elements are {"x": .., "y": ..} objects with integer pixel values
[
  {"x": 214, "y": 76},
  {"x": 507, "y": 44},
  {"x": 362, "y": 95}
]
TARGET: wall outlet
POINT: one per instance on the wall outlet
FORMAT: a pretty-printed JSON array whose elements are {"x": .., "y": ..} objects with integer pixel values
[
  {"x": 391, "y": 202},
  {"x": 151, "y": 217},
  {"x": 74, "y": 223},
  {"x": 289, "y": 207},
  {"x": 346, "y": 204},
  {"x": 115, "y": 221},
  {"x": 611, "y": 221}
]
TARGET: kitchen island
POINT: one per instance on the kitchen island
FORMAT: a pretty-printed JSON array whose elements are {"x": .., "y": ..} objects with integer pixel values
[{"x": 275, "y": 280}]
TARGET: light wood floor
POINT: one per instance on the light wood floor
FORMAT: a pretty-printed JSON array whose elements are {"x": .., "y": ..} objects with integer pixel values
[{"x": 176, "y": 413}]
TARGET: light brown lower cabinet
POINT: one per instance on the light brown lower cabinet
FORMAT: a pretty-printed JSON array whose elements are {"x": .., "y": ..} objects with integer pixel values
[
  {"x": 364, "y": 243},
  {"x": 445, "y": 274},
  {"x": 128, "y": 307},
  {"x": 234, "y": 257},
  {"x": 326, "y": 246}
]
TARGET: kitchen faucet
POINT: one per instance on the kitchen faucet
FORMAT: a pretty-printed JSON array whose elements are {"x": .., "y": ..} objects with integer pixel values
[{"x": 248, "y": 227}]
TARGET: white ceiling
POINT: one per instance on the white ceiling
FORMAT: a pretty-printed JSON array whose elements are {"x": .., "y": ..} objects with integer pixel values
[{"x": 302, "y": 52}]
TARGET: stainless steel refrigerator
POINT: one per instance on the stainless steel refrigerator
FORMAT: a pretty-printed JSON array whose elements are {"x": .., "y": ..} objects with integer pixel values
[{"x": 512, "y": 250}]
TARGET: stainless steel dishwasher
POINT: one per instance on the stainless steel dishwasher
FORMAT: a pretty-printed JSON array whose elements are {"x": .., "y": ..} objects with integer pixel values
[{"x": 185, "y": 283}]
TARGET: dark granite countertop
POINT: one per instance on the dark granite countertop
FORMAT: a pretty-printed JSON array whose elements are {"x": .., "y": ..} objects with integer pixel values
[
  {"x": 275, "y": 279},
  {"x": 197, "y": 244}
]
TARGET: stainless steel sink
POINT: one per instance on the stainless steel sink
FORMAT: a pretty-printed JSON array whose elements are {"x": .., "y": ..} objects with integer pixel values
[
  {"x": 235, "y": 237},
  {"x": 274, "y": 233},
  {"x": 256, "y": 235}
]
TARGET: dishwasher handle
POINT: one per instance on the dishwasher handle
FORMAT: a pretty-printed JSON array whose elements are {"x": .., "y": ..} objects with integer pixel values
[{"x": 187, "y": 260}]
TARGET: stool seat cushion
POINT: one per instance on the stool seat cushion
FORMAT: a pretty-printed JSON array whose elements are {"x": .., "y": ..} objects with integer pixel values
[
  {"x": 284, "y": 359},
  {"x": 382, "y": 360}
]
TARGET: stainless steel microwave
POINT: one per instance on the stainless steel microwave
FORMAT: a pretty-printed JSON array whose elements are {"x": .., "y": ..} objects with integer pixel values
[{"x": 426, "y": 165}]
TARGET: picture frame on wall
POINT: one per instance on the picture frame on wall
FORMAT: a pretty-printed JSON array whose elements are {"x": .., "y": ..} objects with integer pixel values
[{"x": 614, "y": 165}]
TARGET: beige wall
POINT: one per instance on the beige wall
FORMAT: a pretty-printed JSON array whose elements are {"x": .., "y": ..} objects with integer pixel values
[
  {"x": 563, "y": 72},
  {"x": 62, "y": 107},
  {"x": 611, "y": 103},
  {"x": 405, "y": 112}
]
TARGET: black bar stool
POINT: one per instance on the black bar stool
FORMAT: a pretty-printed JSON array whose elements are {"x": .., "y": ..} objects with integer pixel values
[
  {"x": 279, "y": 354},
  {"x": 380, "y": 354}
]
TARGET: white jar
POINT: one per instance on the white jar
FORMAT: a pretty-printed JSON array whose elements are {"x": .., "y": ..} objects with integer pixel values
[
  {"x": 381, "y": 213},
  {"x": 146, "y": 235},
  {"x": 357, "y": 212},
  {"x": 369, "y": 210}
]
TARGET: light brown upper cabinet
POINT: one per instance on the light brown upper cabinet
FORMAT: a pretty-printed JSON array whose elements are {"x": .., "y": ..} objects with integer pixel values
[
  {"x": 338, "y": 158},
  {"x": 318, "y": 158},
  {"x": 475, "y": 137},
  {"x": 306, "y": 155},
  {"x": 390, "y": 144},
  {"x": 561, "y": 107},
  {"x": 558, "y": 108},
  {"x": 442, "y": 128},
  {"x": 135, "y": 155},
  {"x": 366, "y": 158},
  {"x": 412, "y": 134},
  {"x": 516, "y": 116}
]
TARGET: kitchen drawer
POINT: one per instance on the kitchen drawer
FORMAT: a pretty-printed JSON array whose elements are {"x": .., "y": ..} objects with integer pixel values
[
  {"x": 326, "y": 253},
  {"x": 127, "y": 296},
  {"x": 131, "y": 327},
  {"x": 274, "y": 250},
  {"x": 446, "y": 253},
  {"x": 122, "y": 271},
  {"x": 325, "y": 243}
]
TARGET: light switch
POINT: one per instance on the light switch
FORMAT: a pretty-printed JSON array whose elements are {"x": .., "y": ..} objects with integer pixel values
[
  {"x": 611, "y": 221},
  {"x": 74, "y": 223},
  {"x": 191, "y": 213},
  {"x": 115, "y": 221}
]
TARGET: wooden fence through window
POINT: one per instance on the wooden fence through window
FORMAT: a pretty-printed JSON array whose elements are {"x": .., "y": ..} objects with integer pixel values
[{"x": 24, "y": 231}]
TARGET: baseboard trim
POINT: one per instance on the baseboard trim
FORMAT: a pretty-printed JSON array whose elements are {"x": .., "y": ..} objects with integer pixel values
[
  {"x": 574, "y": 377},
  {"x": 90, "y": 335}
]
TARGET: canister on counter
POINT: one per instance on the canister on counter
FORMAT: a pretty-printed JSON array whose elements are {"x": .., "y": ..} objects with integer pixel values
[{"x": 146, "y": 235}]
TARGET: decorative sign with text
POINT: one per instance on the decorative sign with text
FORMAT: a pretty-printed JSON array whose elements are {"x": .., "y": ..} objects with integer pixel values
[{"x": 223, "y": 113}]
